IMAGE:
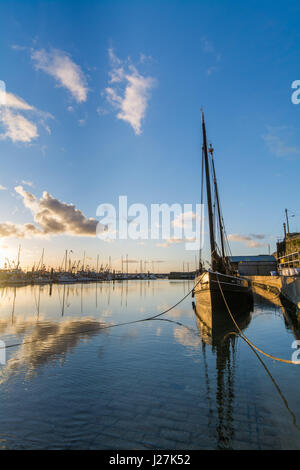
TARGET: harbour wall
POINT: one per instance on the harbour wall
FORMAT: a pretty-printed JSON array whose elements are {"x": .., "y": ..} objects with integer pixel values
[{"x": 288, "y": 286}]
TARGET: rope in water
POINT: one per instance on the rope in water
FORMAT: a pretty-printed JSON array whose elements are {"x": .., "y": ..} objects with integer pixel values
[
  {"x": 279, "y": 359},
  {"x": 272, "y": 379}
]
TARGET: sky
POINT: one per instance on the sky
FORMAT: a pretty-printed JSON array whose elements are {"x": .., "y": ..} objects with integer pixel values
[{"x": 103, "y": 99}]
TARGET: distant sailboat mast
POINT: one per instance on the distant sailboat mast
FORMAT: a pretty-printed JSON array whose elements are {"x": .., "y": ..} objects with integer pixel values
[{"x": 18, "y": 261}]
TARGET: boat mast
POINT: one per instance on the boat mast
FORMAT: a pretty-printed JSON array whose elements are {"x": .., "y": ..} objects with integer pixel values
[
  {"x": 66, "y": 261},
  {"x": 211, "y": 151},
  {"x": 209, "y": 200},
  {"x": 42, "y": 259},
  {"x": 18, "y": 262},
  {"x": 287, "y": 221}
]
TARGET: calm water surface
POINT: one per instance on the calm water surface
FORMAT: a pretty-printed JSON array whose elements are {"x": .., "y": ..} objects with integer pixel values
[{"x": 71, "y": 383}]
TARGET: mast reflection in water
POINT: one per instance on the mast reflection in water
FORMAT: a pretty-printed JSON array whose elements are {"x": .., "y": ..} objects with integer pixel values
[{"x": 216, "y": 329}]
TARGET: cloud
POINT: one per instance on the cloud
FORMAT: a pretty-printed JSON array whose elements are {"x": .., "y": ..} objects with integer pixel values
[
  {"x": 169, "y": 242},
  {"x": 209, "y": 49},
  {"x": 67, "y": 74},
  {"x": 54, "y": 217},
  {"x": 259, "y": 236},
  {"x": 207, "y": 45},
  {"x": 183, "y": 223},
  {"x": 17, "y": 127},
  {"x": 8, "y": 229},
  {"x": 51, "y": 216},
  {"x": 173, "y": 241},
  {"x": 129, "y": 91},
  {"x": 81, "y": 122},
  {"x": 27, "y": 183},
  {"x": 212, "y": 69},
  {"x": 2, "y": 188},
  {"x": 185, "y": 219},
  {"x": 275, "y": 143},
  {"x": 145, "y": 58},
  {"x": 14, "y": 101},
  {"x": 247, "y": 240}
]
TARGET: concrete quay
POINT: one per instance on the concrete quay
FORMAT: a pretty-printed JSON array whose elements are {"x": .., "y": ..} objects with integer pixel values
[{"x": 287, "y": 286}]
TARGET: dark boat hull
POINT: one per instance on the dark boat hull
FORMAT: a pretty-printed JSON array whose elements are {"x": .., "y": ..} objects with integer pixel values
[
  {"x": 215, "y": 326},
  {"x": 213, "y": 289}
]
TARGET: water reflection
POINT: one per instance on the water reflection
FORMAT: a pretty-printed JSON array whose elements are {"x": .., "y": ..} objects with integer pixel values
[
  {"x": 183, "y": 380},
  {"x": 222, "y": 335},
  {"x": 41, "y": 325},
  {"x": 289, "y": 311},
  {"x": 46, "y": 342},
  {"x": 215, "y": 328},
  {"x": 43, "y": 339}
]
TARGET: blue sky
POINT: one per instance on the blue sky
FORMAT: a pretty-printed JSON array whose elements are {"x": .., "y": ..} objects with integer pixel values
[{"x": 84, "y": 143}]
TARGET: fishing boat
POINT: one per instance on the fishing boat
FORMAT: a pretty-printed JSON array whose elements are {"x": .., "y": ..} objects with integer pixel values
[
  {"x": 65, "y": 278},
  {"x": 41, "y": 280},
  {"x": 218, "y": 286}
]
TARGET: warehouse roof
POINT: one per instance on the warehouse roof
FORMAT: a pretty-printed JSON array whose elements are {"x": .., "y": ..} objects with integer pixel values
[{"x": 257, "y": 258}]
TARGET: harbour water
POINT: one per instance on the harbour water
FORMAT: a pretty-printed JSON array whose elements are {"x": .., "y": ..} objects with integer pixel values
[{"x": 71, "y": 382}]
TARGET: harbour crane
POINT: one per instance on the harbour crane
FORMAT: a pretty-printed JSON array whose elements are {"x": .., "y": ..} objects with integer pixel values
[{"x": 8, "y": 263}]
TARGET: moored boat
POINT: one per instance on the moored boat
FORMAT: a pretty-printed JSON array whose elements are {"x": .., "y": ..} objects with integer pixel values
[
  {"x": 218, "y": 287},
  {"x": 214, "y": 290},
  {"x": 65, "y": 278}
]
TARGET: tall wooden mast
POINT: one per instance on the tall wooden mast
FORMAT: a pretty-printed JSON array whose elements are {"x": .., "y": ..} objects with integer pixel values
[
  {"x": 221, "y": 228},
  {"x": 209, "y": 200}
]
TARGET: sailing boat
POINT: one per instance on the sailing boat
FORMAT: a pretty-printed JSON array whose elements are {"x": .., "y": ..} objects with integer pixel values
[{"x": 219, "y": 285}]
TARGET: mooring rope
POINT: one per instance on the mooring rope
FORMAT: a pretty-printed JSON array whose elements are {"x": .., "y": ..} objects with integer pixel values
[
  {"x": 285, "y": 402},
  {"x": 279, "y": 359}
]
